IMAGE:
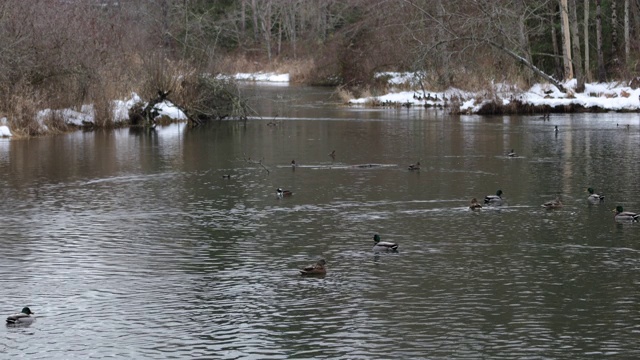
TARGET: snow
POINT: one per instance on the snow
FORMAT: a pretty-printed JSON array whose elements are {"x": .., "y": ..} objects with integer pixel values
[
  {"x": 266, "y": 77},
  {"x": 606, "y": 96},
  {"x": 86, "y": 114},
  {"x": 611, "y": 96},
  {"x": 4, "y": 129}
]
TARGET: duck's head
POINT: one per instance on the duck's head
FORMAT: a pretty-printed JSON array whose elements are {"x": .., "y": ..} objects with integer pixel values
[
  {"x": 474, "y": 200},
  {"x": 590, "y": 191},
  {"x": 376, "y": 238},
  {"x": 322, "y": 262},
  {"x": 619, "y": 209},
  {"x": 279, "y": 190},
  {"x": 26, "y": 310},
  {"x": 499, "y": 192}
]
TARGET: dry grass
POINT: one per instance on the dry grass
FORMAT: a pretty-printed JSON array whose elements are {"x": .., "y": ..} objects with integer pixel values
[{"x": 343, "y": 94}]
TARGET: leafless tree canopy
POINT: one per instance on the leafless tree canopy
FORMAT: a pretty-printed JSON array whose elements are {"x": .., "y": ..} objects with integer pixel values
[{"x": 59, "y": 53}]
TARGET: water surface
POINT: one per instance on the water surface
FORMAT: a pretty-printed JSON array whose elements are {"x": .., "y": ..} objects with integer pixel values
[{"x": 132, "y": 244}]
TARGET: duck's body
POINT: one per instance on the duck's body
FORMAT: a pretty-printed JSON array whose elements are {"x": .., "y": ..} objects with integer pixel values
[
  {"x": 511, "y": 153},
  {"x": 283, "y": 193},
  {"x": 23, "y": 317},
  {"x": 475, "y": 205},
  {"x": 333, "y": 154},
  {"x": 625, "y": 216},
  {"x": 226, "y": 176},
  {"x": 494, "y": 199},
  {"x": 553, "y": 204},
  {"x": 415, "y": 166},
  {"x": 318, "y": 268},
  {"x": 382, "y": 246},
  {"x": 593, "y": 197}
]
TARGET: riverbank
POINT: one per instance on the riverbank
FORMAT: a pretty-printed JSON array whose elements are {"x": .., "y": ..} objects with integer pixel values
[
  {"x": 508, "y": 99},
  {"x": 497, "y": 99}
]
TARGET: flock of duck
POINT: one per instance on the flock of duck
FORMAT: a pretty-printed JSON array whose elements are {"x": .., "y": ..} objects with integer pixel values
[
  {"x": 593, "y": 198},
  {"x": 319, "y": 268}
]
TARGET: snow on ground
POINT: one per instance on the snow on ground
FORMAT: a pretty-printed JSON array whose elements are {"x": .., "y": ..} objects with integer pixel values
[
  {"x": 608, "y": 96},
  {"x": 266, "y": 77},
  {"x": 4, "y": 129},
  {"x": 120, "y": 108}
]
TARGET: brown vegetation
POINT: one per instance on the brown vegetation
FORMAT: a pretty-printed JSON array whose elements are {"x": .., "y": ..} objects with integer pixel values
[{"x": 63, "y": 54}]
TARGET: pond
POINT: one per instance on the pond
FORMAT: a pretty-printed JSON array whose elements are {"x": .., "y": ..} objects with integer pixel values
[{"x": 172, "y": 243}]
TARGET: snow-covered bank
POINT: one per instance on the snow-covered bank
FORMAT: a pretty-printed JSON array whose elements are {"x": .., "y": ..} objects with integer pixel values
[
  {"x": 120, "y": 112},
  {"x": 597, "y": 96},
  {"x": 262, "y": 77}
]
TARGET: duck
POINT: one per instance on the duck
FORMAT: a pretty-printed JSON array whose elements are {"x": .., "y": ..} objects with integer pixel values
[
  {"x": 511, "y": 153},
  {"x": 622, "y": 215},
  {"x": 553, "y": 204},
  {"x": 475, "y": 205},
  {"x": 318, "y": 268},
  {"x": 381, "y": 246},
  {"x": 293, "y": 164},
  {"x": 415, "y": 166},
  {"x": 226, "y": 176},
  {"x": 283, "y": 193},
  {"x": 333, "y": 154},
  {"x": 23, "y": 317},
  {"x": 494, "y": 199},
  {"x": 593, "y": 197}
]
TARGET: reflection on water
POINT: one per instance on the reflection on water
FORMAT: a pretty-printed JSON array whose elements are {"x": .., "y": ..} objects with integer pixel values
[{"x": 133, "y": 245}]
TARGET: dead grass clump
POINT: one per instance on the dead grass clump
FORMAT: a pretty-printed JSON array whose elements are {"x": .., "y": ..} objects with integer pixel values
[{"x": 343, "y": 94}]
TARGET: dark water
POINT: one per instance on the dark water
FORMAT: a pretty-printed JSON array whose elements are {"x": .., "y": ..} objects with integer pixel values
[{"x": 133, "y": 245}]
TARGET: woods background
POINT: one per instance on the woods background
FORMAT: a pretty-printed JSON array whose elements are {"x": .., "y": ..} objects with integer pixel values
[{"x": 64, "y": 53}]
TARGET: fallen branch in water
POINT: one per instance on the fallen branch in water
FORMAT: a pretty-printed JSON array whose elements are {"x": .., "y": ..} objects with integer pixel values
[{"x": 259, "y": 162}]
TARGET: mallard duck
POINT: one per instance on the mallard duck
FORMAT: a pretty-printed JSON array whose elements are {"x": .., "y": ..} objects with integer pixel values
[
  {"x": 383, "y": 245},
  {"x": 415, "y": 166},
  {"x": 494, "y": 199},
  {"x": 23, "y": 317},
  {"x": 553, "y": 204},
  {"x": 475, "y": 205},
  {"x": 593, "y": 197},
  {"x": 293, "y": 164},
  {"x": 283, "y": 193},
  {"x": 511, "y": 153},
  {"x": 622, "y": 215},
  {"x": 226, "y": 176},
  {"x": 316, "y": 269}
]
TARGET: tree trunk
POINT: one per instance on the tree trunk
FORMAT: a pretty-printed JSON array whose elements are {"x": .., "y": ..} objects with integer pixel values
[
  {"x": 523, "y": 38},
  {"x": 587, "y": 65},
  {"x": 626, "y": 32},
  {"x": 601, "y": 72},
  {"x": 577, "y": 63},
  {"x": 524, "y": 62},
  {"x": 566, "y": 40},
  {"x": 614, "y": 31},
  {"x": 243, "y": 19},
  {"x": 554, "y": 42},
  {"x": 254, "y": 15}
]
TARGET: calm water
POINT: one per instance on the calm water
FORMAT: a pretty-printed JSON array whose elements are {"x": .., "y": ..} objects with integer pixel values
[{"x": 133, "y": 245}]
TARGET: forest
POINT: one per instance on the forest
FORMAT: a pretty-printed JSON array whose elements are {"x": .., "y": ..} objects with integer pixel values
[{"x": 66, "y": 53}]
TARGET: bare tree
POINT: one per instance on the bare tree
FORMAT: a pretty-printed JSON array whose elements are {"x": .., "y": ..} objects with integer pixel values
[
  {"x": 577, "y": 63},
  {"x": 587, "y": 71},
  {"x": 566, "y": 40},
  {"x": 599, "y": 51},
  {"x": 626, "y": 32}
]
